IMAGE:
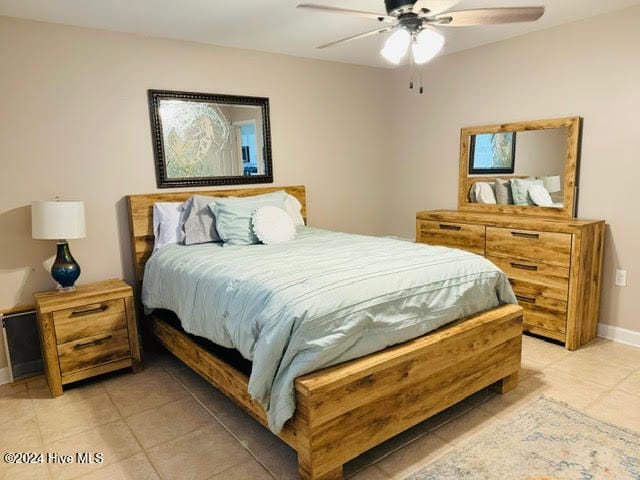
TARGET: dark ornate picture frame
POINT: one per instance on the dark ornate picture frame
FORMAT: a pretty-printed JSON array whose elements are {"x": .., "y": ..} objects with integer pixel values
[{"x": 188, "y": 143}]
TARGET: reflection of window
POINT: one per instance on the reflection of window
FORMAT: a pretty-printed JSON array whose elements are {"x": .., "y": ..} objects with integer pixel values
[
  {"x": 246, "y": 154},
  {"x": 492, "y": 153},
  {"x": 250, "y": 171}
]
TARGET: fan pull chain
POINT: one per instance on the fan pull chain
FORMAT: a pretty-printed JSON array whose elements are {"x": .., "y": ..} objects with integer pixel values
[
  {"x": 421, "y": 75},
  {"x": 411, "y": 70}
]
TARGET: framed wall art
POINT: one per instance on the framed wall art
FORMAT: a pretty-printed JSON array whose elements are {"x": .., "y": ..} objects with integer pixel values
[{"x": 204, "y": 139}]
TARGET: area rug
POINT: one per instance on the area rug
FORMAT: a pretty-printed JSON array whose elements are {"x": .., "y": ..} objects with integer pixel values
[{"x": 546, "y": 440}]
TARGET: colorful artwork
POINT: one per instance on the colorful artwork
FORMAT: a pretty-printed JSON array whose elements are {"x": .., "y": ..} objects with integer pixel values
[{"x": 194, "y": 134}]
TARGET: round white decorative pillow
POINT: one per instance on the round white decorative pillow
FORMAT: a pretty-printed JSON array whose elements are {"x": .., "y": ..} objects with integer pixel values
[
  {"x": 540, "y": 196},
  {"x": 272, "y": 225}
]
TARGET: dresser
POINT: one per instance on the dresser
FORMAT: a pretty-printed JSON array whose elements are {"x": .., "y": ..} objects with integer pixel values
[
  {"x": 554, "y": 265},
  {"x": 86, "y": 332}
]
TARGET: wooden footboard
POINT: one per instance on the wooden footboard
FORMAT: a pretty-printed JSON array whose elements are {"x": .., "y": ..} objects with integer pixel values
[{"x": 347, "y": 409}]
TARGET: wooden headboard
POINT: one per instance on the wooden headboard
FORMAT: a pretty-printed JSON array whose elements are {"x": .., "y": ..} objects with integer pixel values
[{"x": 141, "y": 215}]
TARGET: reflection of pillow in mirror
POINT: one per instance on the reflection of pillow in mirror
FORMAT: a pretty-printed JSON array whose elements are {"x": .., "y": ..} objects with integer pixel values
[
  {"x": 520, "y": 190},
  {"x": 540, "y": 196},
  {"x": 272, "y": 225},
  {"x": 502, "y": 188},
  {"x": 482, "y": 192},
  {"x": 557, "y": 197}
]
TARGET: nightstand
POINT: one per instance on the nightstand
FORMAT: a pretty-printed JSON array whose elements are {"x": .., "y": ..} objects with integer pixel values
[{"x": 89, "y": 331}]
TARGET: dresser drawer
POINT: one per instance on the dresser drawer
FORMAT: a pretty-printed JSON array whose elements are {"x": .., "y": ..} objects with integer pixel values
[
  {"x": 545, "y": 315},
  {"x": 548, "y": 247},
  {"x": 457, "y": 235},
  {"x": 540, "y": 311},
  {"x": 95, "y": 350},
  {"x": 535, "y": 278},
  {"x": 89, "y": 320}
]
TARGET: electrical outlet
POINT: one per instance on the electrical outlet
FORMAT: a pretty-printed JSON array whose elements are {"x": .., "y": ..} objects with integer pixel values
[{"x": 621, "y": 278}]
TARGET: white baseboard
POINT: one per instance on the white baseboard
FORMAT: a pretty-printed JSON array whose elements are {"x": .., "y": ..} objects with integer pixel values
[
  {"x": 5, "y": 375},
  {"x": 618, "y": 334}
]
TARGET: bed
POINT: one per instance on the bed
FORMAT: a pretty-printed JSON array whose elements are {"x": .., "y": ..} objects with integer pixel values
[{"x": 344, "y": 410}]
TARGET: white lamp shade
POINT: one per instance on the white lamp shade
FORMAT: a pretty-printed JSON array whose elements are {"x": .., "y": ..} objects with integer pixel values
[
  {"x": 57, "y": 220},
  {"x": 427, "y": 45},
  {"x": 552, "y": 184},
  {"x": 396, "y": 46}
]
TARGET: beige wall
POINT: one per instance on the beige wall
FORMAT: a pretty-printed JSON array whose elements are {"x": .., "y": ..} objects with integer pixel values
[
  {"x": 74, "y": 122},
  {"x": 589, "y": 68}
]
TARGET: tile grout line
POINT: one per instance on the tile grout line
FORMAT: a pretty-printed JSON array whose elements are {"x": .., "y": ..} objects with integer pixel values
[
  {"x": 83, "y": 429},
  {"x": 144, "y": 450},
  {"x": 40, "y": 436},
  {"x": 79, "y": 476},
  {"x": 221, "y": 423}
]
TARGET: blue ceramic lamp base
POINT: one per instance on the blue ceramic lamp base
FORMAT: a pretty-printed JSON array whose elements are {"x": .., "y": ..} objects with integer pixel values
[{"x": 65, "y": 269}]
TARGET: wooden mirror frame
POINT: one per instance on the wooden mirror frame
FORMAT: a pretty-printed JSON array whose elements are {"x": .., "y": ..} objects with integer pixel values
[{"x": 569, "y": 208}]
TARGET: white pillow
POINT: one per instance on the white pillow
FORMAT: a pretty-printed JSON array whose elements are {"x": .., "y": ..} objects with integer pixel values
[
  {"x": 482, "y": 192},
  {"x": 166, "y": 224},
  {"x": 293, "y": 208},
  {"x": 272, "y": 225},
  {"x": 540, "y": 196}
]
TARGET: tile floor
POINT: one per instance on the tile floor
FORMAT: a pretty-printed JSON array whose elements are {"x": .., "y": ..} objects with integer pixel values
[{"x": 167, "y": 423}]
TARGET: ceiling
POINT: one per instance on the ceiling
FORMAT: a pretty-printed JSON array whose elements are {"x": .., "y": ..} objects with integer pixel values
[{"x": 277, "y": 26}]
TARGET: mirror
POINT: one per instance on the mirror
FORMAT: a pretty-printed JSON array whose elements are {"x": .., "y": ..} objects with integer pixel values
[
  {"x": 210, "y": 139},
  {"x": 527, "y": 168}
]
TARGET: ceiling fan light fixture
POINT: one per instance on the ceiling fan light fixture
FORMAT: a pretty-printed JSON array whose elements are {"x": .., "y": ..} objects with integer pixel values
[
  {"x": 426, "y": 45},
  {"x": 396, "y": 46}
]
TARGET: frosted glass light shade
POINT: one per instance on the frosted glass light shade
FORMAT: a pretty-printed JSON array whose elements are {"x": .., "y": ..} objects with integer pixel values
[
  {"x": 396, "y": 46},
  {"x": 57, "y": 220},
  {"x": 552, "y": 184},
  {"x": 427, "y": 45}
]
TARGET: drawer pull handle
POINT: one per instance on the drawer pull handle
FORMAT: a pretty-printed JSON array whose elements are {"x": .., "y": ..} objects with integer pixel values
[
  {"x": 522, "y": 266},
  {"x": 97, "y": 341},
  {"x": 526, "y": 235},
  {"x": 449, "y": 227},
  {"x": 526, "y": 299},
  {"x": 89, "y": 311}
]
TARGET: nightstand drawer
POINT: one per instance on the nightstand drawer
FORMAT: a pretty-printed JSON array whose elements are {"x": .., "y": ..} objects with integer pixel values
[
  {"x": 91, "y": 351},
  {"x": 89, "y": 320},
  {"x": 457, "y": 235},
  {"x": 548, "y": 247},
  {"x": 535, "y": 278}
]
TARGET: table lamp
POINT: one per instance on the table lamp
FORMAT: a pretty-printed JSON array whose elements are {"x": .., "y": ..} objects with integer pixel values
[{"x": 60, "y": 221}]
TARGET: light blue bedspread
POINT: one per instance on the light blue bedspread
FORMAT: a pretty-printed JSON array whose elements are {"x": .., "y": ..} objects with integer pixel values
[{"x": 320, "y": 299}]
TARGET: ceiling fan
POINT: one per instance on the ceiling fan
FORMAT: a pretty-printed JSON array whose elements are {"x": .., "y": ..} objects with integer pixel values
[{"x": 415, "y": 25}]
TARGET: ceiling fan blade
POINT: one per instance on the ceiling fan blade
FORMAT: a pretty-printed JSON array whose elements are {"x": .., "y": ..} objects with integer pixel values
[
  {"x": 489, "y": 16},
  {"x": 359, "y": 35},
  {"x": 324, "y": 8}
]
